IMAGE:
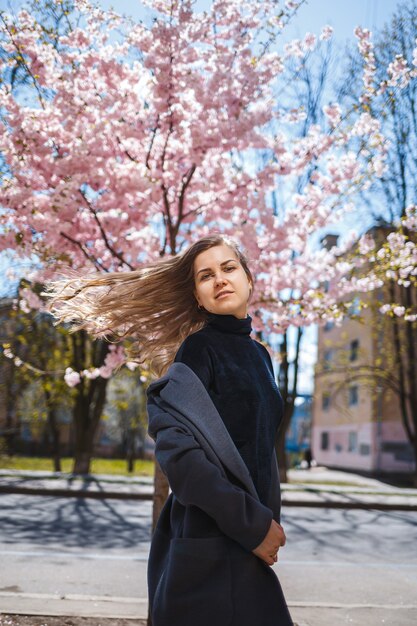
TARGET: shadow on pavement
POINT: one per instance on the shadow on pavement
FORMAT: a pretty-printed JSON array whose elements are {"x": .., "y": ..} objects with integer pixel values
[
  {"x": 319, "y": 534},
  {"x": 74, "y": 522}
]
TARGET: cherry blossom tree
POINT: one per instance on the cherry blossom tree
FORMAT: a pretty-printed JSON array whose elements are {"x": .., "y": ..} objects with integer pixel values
[{"x": 127, "y": 140}]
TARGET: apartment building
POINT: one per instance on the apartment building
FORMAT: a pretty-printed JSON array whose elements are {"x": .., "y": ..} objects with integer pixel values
[{"x": 357, "y": 422}]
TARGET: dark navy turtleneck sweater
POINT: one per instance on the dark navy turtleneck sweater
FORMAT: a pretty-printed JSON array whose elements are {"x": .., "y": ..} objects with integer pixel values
[{"x": 238, "y": 375}]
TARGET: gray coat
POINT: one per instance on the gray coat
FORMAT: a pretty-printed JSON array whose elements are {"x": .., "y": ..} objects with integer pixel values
[{"x": 201, "y": 567}]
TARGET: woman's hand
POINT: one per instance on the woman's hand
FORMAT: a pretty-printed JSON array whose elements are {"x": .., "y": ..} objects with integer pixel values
[{"x": 274, "y": 539}]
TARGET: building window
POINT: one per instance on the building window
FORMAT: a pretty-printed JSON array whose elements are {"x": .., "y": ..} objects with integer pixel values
[
  {"x": 324, "y": 440},
  {"x": 328, "y": 326},
  {"x": 402, "y": 451},
  {"x": 354, "y": 349},
  {"x": 353, "y": 442},
  {"x": 353, "y": 395},
  {"x": 325, "y": 401},
  {"x": 327, "y": 359},
  {"x": 364, "y": 449},
  {"x": 355, "y": 307}
]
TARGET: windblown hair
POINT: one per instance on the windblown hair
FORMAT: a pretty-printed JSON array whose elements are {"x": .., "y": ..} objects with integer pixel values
[{"x": 154, "y": 306}]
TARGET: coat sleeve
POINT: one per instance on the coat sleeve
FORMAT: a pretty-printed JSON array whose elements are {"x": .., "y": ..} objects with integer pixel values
[{"x": 196, "y": 480}]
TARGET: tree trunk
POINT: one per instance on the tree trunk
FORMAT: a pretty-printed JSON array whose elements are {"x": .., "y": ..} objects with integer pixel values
[
  {"x": 288, "y": 397},
  {"x": 160, "y": 494},
  {"x": 280, "y": 442},
  {"x": 84, "y": 439},
  {"x": 11, "y": 427},
  {"x": 414, "y": 476},
  {"x": 404, "y": 344},
  {"x": 87, "y": 412},
  {"x": 161, "y": 488},
  {"x": 89, "y": 403},
  {"x": 56, "y": 445},
  {"x": 130, "y": 450},
  {"x": 53, "y": 432}
]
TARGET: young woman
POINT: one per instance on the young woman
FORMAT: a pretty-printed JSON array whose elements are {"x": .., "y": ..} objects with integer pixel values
[{"x": 213, "y": 414}]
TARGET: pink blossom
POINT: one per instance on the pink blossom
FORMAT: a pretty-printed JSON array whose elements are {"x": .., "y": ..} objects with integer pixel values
[
  {"x": 326, "y": 33},
  {"x": 292, "y": 4},
  {"x": 71, "y": 377},
  {"x": 115, "y": 357},
  {"x": 366, "y": 50},
  {"x": 366, "y": 244},
  {"x": 106, "y": 371},
  {"x": 399, "y": 72},
  {"x": 31, "y": 300},
  {"x": 91, "y": 373},
  {"x": 24, "y": 306},
  {"x": 385, "y": 308},
  {"x": 294, "y": 49},
  {"x": 410, "y": 219},
  {"x": 396, "y": 240},
  {"x": 333, "y": 113},
  {"x": 309, "y": 41}
]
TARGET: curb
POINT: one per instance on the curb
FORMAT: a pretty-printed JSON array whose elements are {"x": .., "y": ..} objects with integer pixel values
[
  {"x": 117, "y": 495},
  {"x": 377, "y": 506},
  {"x": 74, "y": 605},
  {"x": 75, "y": 493}
]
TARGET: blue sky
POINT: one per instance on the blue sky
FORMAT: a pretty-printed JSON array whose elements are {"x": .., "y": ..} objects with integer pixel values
[{"x": 341, "y": 14}]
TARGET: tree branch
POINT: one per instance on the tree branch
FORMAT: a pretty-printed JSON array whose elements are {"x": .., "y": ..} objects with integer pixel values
[
  {"x": 88, "y": 256},
  {"x": 110, "y": 248}
]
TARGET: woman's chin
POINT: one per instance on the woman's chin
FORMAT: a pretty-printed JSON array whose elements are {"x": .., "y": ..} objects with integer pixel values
[{"x": 227, "y": 310}]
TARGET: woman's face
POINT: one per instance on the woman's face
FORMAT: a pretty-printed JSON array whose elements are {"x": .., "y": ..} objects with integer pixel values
[{"x": 221, "y": 283}]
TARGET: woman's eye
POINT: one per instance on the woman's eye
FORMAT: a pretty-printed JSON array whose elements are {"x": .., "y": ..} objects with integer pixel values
[
  {"x": 230, "y": 268},
  {"x": 204, "y": 276}
]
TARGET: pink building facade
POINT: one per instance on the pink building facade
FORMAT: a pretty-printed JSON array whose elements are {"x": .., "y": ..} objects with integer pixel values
[{"x": 357, "y": 422}]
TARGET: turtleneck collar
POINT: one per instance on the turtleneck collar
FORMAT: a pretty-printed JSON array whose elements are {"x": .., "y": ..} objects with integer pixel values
[{"x": 230, "y": 323}]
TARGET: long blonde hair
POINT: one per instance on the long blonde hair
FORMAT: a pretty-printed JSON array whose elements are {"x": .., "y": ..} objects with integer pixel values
[{"x": 154, "y": 306}]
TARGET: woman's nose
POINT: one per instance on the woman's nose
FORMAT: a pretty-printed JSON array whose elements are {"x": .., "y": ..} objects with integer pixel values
[{"x": 219, "y": 279}]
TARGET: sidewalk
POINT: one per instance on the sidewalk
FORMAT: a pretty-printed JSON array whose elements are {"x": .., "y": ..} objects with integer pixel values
[
  {"x": 303, "y": 615},
  {"x": 323, "y": 487},
  {"x": 317, "y": 487}
]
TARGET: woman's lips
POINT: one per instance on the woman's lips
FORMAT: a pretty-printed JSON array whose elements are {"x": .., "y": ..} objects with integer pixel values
[{"x": 224, "y": 294}]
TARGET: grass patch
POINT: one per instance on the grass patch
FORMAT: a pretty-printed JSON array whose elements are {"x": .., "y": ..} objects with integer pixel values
[{"x": 99, "y": 466}]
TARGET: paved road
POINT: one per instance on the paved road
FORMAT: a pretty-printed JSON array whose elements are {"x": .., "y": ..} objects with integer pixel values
[{"x": 338, "y": 566}]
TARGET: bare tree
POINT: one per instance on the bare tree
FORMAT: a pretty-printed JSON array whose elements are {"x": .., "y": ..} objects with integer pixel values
[
  {"x": 387, "y": 199},
  {"x": 308, "y": 89}
]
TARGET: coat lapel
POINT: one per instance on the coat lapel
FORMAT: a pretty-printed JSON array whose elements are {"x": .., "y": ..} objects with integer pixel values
[{"x": 198, "y": 408}]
